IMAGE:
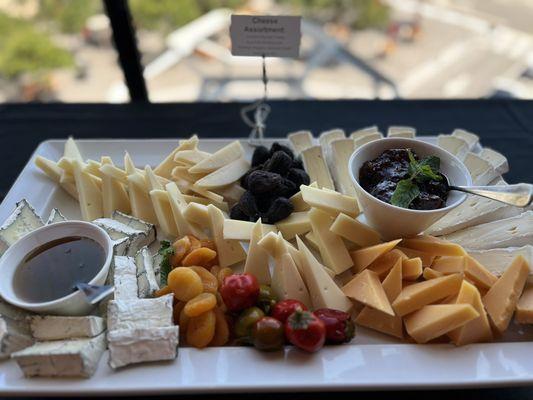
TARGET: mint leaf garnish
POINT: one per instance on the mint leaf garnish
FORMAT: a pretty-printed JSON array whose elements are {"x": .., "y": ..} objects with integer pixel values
[
  {"x": 166, "y": 251},
  {"x": 406, "y": 191}
]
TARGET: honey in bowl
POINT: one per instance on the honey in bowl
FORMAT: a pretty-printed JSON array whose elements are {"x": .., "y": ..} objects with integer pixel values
[{"x": 51, "y": 271}]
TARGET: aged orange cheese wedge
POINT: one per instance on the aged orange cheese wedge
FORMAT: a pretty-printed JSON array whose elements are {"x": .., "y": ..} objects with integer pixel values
[
  {"x": 478, "y": 330},
  {"x": 412, "y": 268},
  {"x": 384, "y": 263},
  {"x": 427, "y": 259},
  {"x": 435, "y": 320},
  {"x": 430, "y": 273},
  {"x": 351, "y": 229},
  {"x": 364, "y": 257},
  {"x": 500, "y": 301},
  {"x": 524, "y": 308},
  {"x": 392, "y": 284},
  {"x": 433, "y": 245},
  {"x": 478, "y": 274},
  {"x": 366, "y": 288},
  {"x": 417, "y": 295},
  {"x": 449, "y": 264}
]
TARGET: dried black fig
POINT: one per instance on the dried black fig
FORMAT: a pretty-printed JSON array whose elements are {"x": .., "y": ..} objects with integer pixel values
[
  {"x": 280, "y": 209},
  {"x": 260, "y": 156},
  {"x": 237, "y": 213},
  {"x": 247, "y": 204},
  {"x": 298, "y": 176},
  {"x": 279, "y": 147},
  {"x": 279, "y": 163},
  {"x": 263, "y": 182}
]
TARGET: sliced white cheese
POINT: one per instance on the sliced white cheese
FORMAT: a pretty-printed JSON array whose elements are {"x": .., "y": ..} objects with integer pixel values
[
  {"x": 497, "y": 160},
  {"x": 220, "y": 158},
  {"x": 453, "y": 144},
  {"x": 182, "y": 173},
  {"x": 226, "y": 175},
  {"x": 178, "y": 206},
  {"x": 481, "y": 170},
  {"x": 315, "y": 164},
  {"x": 22, "y": 221},
  {"x": 341, "y": 151},
  {"x": 510, "y": 232},
  {"x": 295, "y": 224},
  {"x": 146, "y": 279},
  {"x": 300, "y": 140},
  {"x": 165, "y": 167},
  {"x": 242, "y": 230},
  {"x": 52, "y": 327},
  {"x": 229, "y": 252},
  {"x": 197, "y": 213},
  {"x": 141, "y": 203},
  {"x": 401, "y": 131},
  {"x": 90, "y": 195},
  {"x": 191, "y": 156},
  {"x": 216, "y": 198},
  {"x": 133, "y": 346},
  {"x": 54, "y": 172},
  {"x": 125, "y": 278},
  {"x": 325, "y": 139},
  {"x": 62, "y": 358},
  {"x": 497, "y": 260},
  {"x": 93, "y": 168},
  {"x": 55, "y": 216},
  {"x": 257, "y": 258},
  {"x": 287, "y": 282},
  {"x": 331, "y": 202},
  {"x": 365, "y": 131},
  {"x": 471, "y": 138},
  {"x": 140, "y": 313},
  {"x": 367, "y": 138},
  {"x": 231, "y": 194},
  {"x": 114, "y": 192},
  {"x": 323, "y": 291},
  {"x": 72, "y": 151},
  {"x": 163, "y": 211}
]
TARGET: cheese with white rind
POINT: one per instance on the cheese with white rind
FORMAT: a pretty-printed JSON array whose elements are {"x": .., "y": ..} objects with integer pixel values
[
  {"x": 300, "y": 140},
  {"x": 481, "y": 170},
  {"x": 229, "y": 252},
  {"x": 341, "y": 150},
  {"x": 331, "y": 202},
  {"x": 62, "y": 358},
  {"x": 164, "y": 213},
  {"x": 146, "y": 279},
  {"x": 366, "y": 288},
  {"x": 117, "y": 230},
  {"x": 367, "y": 138},
  {"x": 401, "y": 131},
  {"x": 55, "y": 216},
  {"x": 364, "y": 257},
  {"x": 355, "y": 231},
  {"x": 453, "y": 144},
  {"x": 332, "y": 248},
  {"x": 133, "y": 346},
  {"x": 297, "y": 223},
  {"x": 325, "y": 139},
  {"x": 315, "y": 164},
  {"x": 137, "y": 224},
  {"x": 510, "y": 232},
  {"x": 220, "y": 158},
  {"x": 323, "y": 290},
  {"x": 165, "y": 167},
  {"x": 287, "y": 282},
  {"x": 15, "y": 332},
  {"x": 52, "y": 327},
  {"x": 226, "y": 175},
  {"x": 22, "y": 221},
  {"x": 242, "y": 230},
  {"x": 120, "y": 248},
  {"x": 140, "y": 313},
  {"x": 257, "y": 258},
  {"x": 496, "y": 159},
  {"x": 184, "y": 226},
  {"x": 364, "y": 131},
  {"x": 497, "y": 260},
  {"x": 471, "y": 138},
  {"x": 125, "y": 278}
]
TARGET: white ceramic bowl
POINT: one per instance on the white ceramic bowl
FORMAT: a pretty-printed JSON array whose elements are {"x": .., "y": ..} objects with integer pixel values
[
  {"x": 395, "y": 222},
  {"x": 72, "y": 304}
]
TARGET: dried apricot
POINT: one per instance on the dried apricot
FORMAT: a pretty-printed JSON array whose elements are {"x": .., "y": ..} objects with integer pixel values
[
  {"x": 181, "y": 248},
  {"x": 163, "y": 291},
  {"x": 221, "y": 329},
  {"x": 200, "y": 304},
  {"x": 185, "y": 283},
  {"x": 209, "y": 244},
  {"x": 183, "y": 323},
  {"x": 176, "y": 311},
  {"x": 195, "y": 242},
  {"x": 209, "y": 280},
  {"x": 201, "y": 329},
  {"x": 201, "y": 256},
  {"x": 224, "y": 272}
]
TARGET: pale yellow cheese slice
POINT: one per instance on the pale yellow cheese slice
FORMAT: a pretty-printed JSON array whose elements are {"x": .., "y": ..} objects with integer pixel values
[
  {"x": 287, "y": 282},
  {"x": 435, "y": 320},
  {"x": 163, "y": 212},
  {"x": 366, "y": 288},
  {"x": 51, "y": 169},
  {"x": 316, "y": 167},
  {"x": 433, "y": 245},
  {"x": 417, "y": 295},
  {"x": 187, "y": 226},
  {"x": 114, "y": 193},
  {"x": 220, "y": 158},
  {"x": 207, "y": 193},
  {"x": 412, "y": 268},
  {"x": 364, "y": 257},
  {"x": 300, "y": 140},
  {"x": 72, "y": 150},
  {"x": 90, "y": 195},
  {"x": 478, "y": 274},
  {"x": 500, "y": 301},
  {"x": 524, "y": 308},
  {"x": 297, "y": 223},
  {"x": 449, "y": 264},
  {"x": 114, "y": 172},
  {"x": 203, "y": 201},
  {"x": 93, "y": 168},
  {"x": 340, "y": 153},
  {"x": 355, "y": 231},
  {"x": 226, "y": 175},
  {"x": 430, "y": 273},
  {"x": 141, "y": 203},
  {"x": 257, "y": 258},
  {"x": 298, "y": 202},
  {"x": 165, "y": 167},
  {"x": 269, "y": 243},
  {"x": 312, "y": 240},
  {"x": 330, "y": 201},
  {"x": 229, "y": 252},
  {"x": 242, "y": 230},
  {"x": 191, "y": 156},
  {"x": 383, "y": 264},
  {"x": 331, "y": 246},
  {"x": 181, "y": 172},
  {"x": 231, "y": 193}
]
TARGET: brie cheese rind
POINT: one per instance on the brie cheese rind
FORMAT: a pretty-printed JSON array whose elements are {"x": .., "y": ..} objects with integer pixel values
[
  {"x": 132, "y": 346},
  {"x": 401, "y": 131},
  {"x": 125, "y": 278},
  {"x": 453, "y": 144},
  {"x": 497, "y": 260},
  {"x": 62, "y": 358},
  {"x": 117, "y": 230},
  {"x": 55, "y": 216},
  {"x": 15, "y": 332},
  {"x": 140, "y": 313},
  {"x": 146, "y": 278},
  {"x": 53, "y": 327},
  {"x": 510, "y": 232},
  {"x": 300, "y": 140},
  {"x": 366, "y": 138},
  {"x": 365, "y": 131},
  {"x": 341, "y": 151},
  {"x": 481, "y": 170},
  {"x": 137, "y": 224},
  {"x": 471, "y": 138},
  {"x": 22, "y": 221},
  {"x": 496, "y": 159},
  {"x": 316, "y": 167}
]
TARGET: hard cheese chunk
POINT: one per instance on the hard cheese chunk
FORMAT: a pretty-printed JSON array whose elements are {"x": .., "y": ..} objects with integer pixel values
[
  {"x": 500, "y": 301},
  {"x": 163, "y": 212},
  {"x": 220, "y": 158},
  {"x": 524, "y": 308},
  {"x": 497, "y": 260},
  {"x": 242, "y": 230},
  {"x": 186, "y": 226},
  {"x": 90, "y": 195},
  {"x": 229, "y": 252},
  {"x": 330, "y": 201},
  {"x": 435, "y": 320},
  {"x": 364, "y": 257},
  {"x": 62, "y": 358},
  {"x": 165, "y": 167},
  {"x": 412, "y": 268},
  {"x": 297, "y": 223},
  {"x": 366, "y": 288},
  {"x": 430, "y": 273},
  {"x": 385, "y": 262},
  {"x": 57, "y": 327},
  {"x": 417, "y": 295},
  {"x": 257, "y": 258},
  {"x": 433, "y": 245},
  {"x": 351, "y": 229}
]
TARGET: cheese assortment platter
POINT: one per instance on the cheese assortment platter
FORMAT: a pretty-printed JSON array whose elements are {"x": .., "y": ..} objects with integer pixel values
[{"x": 239, "y": 268}]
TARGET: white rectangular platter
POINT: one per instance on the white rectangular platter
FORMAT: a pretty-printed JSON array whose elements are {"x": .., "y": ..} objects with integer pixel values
[{"x": 370, "y": 361}]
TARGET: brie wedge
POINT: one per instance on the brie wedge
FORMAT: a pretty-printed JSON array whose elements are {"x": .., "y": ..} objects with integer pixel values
[
  {"x": 401, "y": 131},
  {"x": 125, "y": 278},
  {"x": 300, "y": 140},
  {"x": 146, "y": 279},
  {"x": 55, "y": 216},
  {"x": 22, "y": 221},
  {"x": 53, "y": 327},
  {"x": 453, "y": 144},
  {"x": 341, "y": 151},
  {"x": 316, "y": 167}
]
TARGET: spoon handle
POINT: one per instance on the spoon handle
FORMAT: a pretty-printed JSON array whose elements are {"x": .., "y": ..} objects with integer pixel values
[{"x": 519, "y": 195}]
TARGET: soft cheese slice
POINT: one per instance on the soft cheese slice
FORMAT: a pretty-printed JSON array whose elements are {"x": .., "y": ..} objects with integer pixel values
[
  {"x": 401, "y": 131},
  {"x": 412, "y": 268},
  {"x": 140, "y": 313},
  {"x": 435, "y": 320},
  {"x": 497, "y": 260},
  {"x": 477, "y": 330},
  {"x": 125, "y": 278},
  {"x": 62, "y": 358},
  {"x": 242, "y": 230},
  {"x": 287, "y": 282},
  {"x": 331, "y": 202},
  {"x": 114, "y": 192},
  {"x": 316, "y": 167},
  {"x": 53, "y": 327},
  {"x": 364, "y": 257},
  {"x": 496, "y": 159},
  {"x": 297, "y": 223},
  {"x": 470, "y": 138},
  {"x": 433, "y": 245},
  {"x": 367, "y": 138},
  {"x": 355, "y": 231},
  {"x": 165, "y": 167},
  {"x": 146, "y": 278},
  {"x": 331, "y": 246},
  {"x": 90, "y": 195},
  {"x": 164, "y": 213},
  {"x": 341, "y": 150},
  {"x": 220, "y": 158},
  {"x": 15, "y": 334},
  {"x": 481, "y": 170},
  {"x": 384, "y": 263},
  {"x": 510, "y": 232},
  {"x": 226, "y": 175},
  {"x": 366, "y": 288},
  {"x": 185, "y": 226},
  {"x": 229, "y": 252},
  {"x": 524, "y": 308},
  {"x": 417, "y": 295},
  {"x": 55, "y": 216},
  {"x": 500, "y": 301},
  {"x": 365, "y": 131},
  {"x": 453, "y": 144},
  {"x": 323, "y": 291},
  {"x": 300, "y": 140},
  {"x": 257, "y": 258},
  {"x": 22, "y": 221}
]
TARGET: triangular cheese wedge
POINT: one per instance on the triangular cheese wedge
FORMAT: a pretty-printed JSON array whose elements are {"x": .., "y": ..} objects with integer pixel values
[
  {"x": 257, "y": 258},
  {"x": 364, "y": 257},
  {"x": 383, "y": 264},
  {"x": 449, "y": 264},
  {"x": 412, "y": 268},
  {"x": 524, "y": 307},
  {"x": 433, "y": 245},
  {"x": 90, "y": 196},
  {"x": 269, "y": 243},
  {"x": 366, "y": 288},
  {"x": 93, "y": 168},
  {"x": 427, "y": 259},
  {"x": 114, "y": 194},
  {"x": 151, "y": 179},
  {"x": 220, "y": 158},
  {"x": 72, "y": 151},
  {"x": 183, "y": 225},
  {"x": 165, "y": 167},
  {"x": 355, "y": 231},
  {"x": 129, "y": 165},
  {"x": 53, "y": 171},
  {"x": 163, "y": 211},
  {"x": 229, "y": 252},
  {"x": 287, "y": 282},
  {"x": 478, "y": 274},
  {"x": 226, "y": 175},
  {"x": 392, "y": 284},
  {"x": 141, "y": 203},
  {"x": 323, "y": 290}
]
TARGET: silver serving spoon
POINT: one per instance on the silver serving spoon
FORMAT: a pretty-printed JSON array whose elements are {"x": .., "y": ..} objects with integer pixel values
[
  {"x": 94, "y": 293},
  {"x": 519, "y": 195}
]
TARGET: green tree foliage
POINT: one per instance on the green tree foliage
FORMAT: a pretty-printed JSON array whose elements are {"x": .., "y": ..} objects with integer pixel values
[{"x": 68, "y": 15}]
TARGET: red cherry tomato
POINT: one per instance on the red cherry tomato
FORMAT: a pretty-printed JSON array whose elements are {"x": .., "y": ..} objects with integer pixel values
[
  {"x": 339, "y": 326},
  {"x": 283, "y": 309},
  {"x": 239, "y": 291},
  {"x": 305, "y": 330}
]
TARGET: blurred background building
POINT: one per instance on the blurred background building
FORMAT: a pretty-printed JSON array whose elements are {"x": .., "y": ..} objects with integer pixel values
[{"x": 62, "y": 50}]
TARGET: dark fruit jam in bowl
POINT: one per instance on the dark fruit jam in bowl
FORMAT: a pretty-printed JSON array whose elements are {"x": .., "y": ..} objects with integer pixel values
[{"x": 401, "y": 178}]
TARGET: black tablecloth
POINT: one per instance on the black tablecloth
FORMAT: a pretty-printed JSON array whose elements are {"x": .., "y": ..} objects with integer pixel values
[{"x": 504, "y": 125}]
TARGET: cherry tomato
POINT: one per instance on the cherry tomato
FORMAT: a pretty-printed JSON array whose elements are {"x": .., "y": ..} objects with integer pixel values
[
  {"x": 339, "y": 326},
  {"x": 239, "y": 291},
  {"x": 285, "y": 308},
  {"x": 266, "y": 299},
  {"x": 246, "y": 321},
  {"x": 305, "y": 330},
  {"x": 268, "y": 334}
]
